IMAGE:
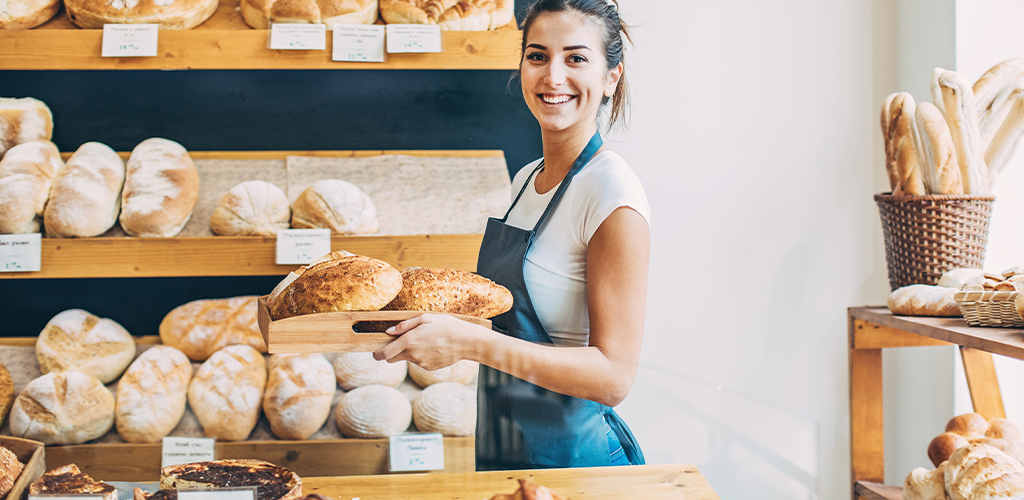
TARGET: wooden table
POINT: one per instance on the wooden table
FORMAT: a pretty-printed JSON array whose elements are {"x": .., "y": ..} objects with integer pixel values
[
  {"x": 872, "y": 329},
  {"x": 634, "y": 482}
]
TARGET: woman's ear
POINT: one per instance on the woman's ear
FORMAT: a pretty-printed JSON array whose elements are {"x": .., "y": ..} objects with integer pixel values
[{"x": 614, "y": 75}]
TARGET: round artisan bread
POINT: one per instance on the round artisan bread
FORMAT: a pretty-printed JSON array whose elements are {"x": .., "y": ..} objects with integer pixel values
[
  {"x": 353, "y": 283},
  {"x": 299, "y": 394},
  {"x": 85, "y": 199},
  {"x": 356, "y": 369},
  {"x": 336, "y": 205},
  {"x": 259, "y": 14},
  {"x": 151, "y": 395},
  {"x": 462, "y": 372},
  {"x": 168, "y": 14},
  {"x": 160, "y": 189},
  {"x": 63, "y": 408},
  {"x": 25, "y": 15},
  {"x": 227, "y": 390},
  {"x": 80, "y": 341},
  {"x": 203, "y": 327},
  {"x": 252, "y": 208},
  {"x": 373, "y": 411},
  {"x": 447, "y": 407},
  {"x": 23, "y": 120},
  {"x": 27, "y": 172}
]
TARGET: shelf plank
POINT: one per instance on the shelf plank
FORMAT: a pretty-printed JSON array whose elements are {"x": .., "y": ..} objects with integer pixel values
[
  {"x": 1003, "y": 341},
  {"x": 874, "y": 491},
  {"x": 868, "y": 335}
]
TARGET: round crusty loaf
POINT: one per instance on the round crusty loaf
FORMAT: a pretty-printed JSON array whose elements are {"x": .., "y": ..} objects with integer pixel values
[
  {"x": 227, "y": 390},
  {"x": 462, "y": 372},
  {"x": 203, "y": 327},
  {"x": 63, "y": 408},
  {"x": 373, "y": 411},
  {"x": 160, "y": 190},
  {"x": 85, "y": 199},
  {"x": 356, "y": 369},
  {"x": 299, "y": 394},
  {"x": 151, "y": 395},
  {"x": 354, "y": 283},
  {"x": 169, "y": 14},
  {"x": 252, "y": 208},
  {"x": 25, "y": 15},
  {"x": 77, "y": 340},
  {"x": 26, "y": 175},
  {"x": 923, "y": 484},
  {"x": 259, "y": 14},
  {"x": 336, "y": 205},
  {"x": 447, "y": 408},
  {"x": 23, "y": 120}
]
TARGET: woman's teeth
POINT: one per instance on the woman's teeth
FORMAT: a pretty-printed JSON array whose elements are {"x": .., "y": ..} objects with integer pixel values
[{"x": 555, "y": 99}]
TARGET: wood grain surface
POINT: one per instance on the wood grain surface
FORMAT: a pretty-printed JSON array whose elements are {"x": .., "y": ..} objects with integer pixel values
[
  {"x": 982, "y": 383},
  {"x": 874, "y": 491},
  {"x": 1003, "y": 341}
]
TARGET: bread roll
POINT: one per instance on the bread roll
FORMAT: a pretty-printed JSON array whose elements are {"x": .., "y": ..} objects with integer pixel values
[
  {"x": 448, "y": 408},
  {"x": 979, "y": 471},
  {"x": 26, "y": 175},
  {"x": 904, "y": 150},
  {"x": 923, "y": 300},
  {"x": 354, "y": 283},
  {"x": 956, "y": 278},
  {"x": 252, "y": 208},
  {"x": 25, "y": 15},
  {"x": 941, "y": 173},
  {"x": 926, "y": 485},
  {"x": 160, "y": 191},
  {"x": 63, "y": 408},
  {"x": 85, "y": 199},
  {"x": 336, "y": 205},
  {"x": 969, "y": 425},
  {"x": 151, "y": 395},
  {"x": 23, "y": 120},
  {"x": 1001, "y": 428},
  {"x": 226, "y": 392},
  {"x": 961, "y": 115},
  {"x": 168, "y": 14},
  {"x": 68, "y": 480},
  {"x": 299, "y": 394},
  {"x": 259, "y": 14},
  {"x": 462, "y": 372},
  {"x": 6, "y": 393},
  {"x": 10, "y": 469},
  {"x": 943, "y": 445},
  {"x": 77, "y": 340},
  {"x": 356, "y": 369},
  {"x": 373, "y": 411},
  {"x": 203, "y": 327},
  {"x": 467, "y": 15}
]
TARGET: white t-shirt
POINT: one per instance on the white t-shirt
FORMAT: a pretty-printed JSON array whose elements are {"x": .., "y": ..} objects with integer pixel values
[{"x": 556, "y": 265}]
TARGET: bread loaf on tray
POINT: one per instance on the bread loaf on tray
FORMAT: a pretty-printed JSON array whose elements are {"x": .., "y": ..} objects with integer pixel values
[
  {"x": 10, "y": 469},
  {"x": 63, "y": 408},
  {"x": 300, "y": 390},
  {"x": 462, "y": 372},
  {"x": 373, "y": 411},
  {"x": 27, "y": 172},
  {"x": 78, "y": 340},
  {"x": 85, "y": 199},
  {"x": 160, "y": 190},
  {"x": 923, "y": 300},
  {"x": 151, "y": 395},
  {"x": 352, "y": 283},
  {"x": 203, "y": 327},
  {"x": 447, "y": 408},
  {"x": 227, "y": 390},
  {"x": 252, "y": 208},
  {"x": 23, "y": 120}
]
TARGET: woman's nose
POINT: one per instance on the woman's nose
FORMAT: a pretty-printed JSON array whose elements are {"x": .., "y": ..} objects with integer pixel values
[{"x": 556, "y": 74}]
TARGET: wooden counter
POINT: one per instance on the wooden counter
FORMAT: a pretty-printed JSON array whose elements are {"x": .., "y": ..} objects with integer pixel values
[{"x": 647, "y": 482}]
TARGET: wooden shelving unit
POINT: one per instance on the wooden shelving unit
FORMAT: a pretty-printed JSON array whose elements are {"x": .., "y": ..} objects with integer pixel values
[{"x": 225, "y": 42}]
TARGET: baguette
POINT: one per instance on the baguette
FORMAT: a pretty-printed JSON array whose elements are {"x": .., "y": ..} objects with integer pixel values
[
  {"x": 1004, "y": 143},
  {"x": 990, "y": 122},
  {"x": 923, "y": 300},
  {"x": 890, "y": 165},
  {"x": 904, "y": 151},
  {"x": 940, "y": 171},
  {"x": 961, "y": 114},
  {"x": 993, "y": 81},
  {"x": 937, "y": 89}
]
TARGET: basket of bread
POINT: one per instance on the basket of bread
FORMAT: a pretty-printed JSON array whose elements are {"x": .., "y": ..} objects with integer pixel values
[{"x": 942, "y": 157}]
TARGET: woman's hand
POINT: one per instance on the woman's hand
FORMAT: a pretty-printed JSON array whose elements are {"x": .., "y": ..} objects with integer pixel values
[{"x": 432, "y": 341}]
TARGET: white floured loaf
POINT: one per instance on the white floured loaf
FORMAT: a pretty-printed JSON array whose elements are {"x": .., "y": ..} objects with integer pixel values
[
  {"x": 203, "y": 327},
  {"x": 63, "y": 408},
  {"x": 924, "y": 300},
  {"x": 447, "y": 408},
  {"x": 462, "y": 372},
  {"x": 151, "y": 395},
  {"x": 259, "y": 14},
  {"x": 23, "y": 120},
  {"x": 168, "y": 14},
  {"x": 160, "y": 190},
  {"x": 80, "y": 341},
  {"x": 373, "y": 411},
  {"x": 27, "y": 14},
  {"x": 85, "y": 199},
  {"x": 336, "y": 205},
  {"x": 252, "y": 208},
  {"x": 26, "y": 175},
  {"x": 356, "y": 369},
  {"x": 299, "y": 394},
  {"x": 227, "y": 390}
]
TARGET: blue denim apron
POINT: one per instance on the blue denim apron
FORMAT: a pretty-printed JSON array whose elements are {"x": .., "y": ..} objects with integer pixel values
[{"x": 557, "y": 430}]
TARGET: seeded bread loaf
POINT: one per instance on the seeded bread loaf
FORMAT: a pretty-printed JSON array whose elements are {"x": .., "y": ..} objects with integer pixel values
[{"x": 10, "y": 469}]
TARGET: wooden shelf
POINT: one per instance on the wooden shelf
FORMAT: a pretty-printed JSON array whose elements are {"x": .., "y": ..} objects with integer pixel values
[
  {"x": 1003, "y": 341},
  {"x": 225, "y": 42},
  {"x": 873, "y": 491}
]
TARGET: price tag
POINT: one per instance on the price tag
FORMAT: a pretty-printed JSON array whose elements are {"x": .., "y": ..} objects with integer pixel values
[
  {"x": 417, "y": 452},
  {"x": 182, "y": 450},
  {"x": 21, "y": 253},
  {"x": 416, "y": 38},
  {"x": 240, "y": 493},
  {"x": 302, "y": 246},
  {"x": 358, "y": 42},
  {"x": 129, "y": 40},
  {"x": 298, "y": 36}
]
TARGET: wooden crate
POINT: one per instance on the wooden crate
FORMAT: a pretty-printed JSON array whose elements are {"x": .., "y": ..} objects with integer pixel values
[{"x": 32, "y": 454}]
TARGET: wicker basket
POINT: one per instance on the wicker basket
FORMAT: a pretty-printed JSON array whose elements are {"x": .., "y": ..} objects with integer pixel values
[
  {"x": 991, "y": 308},
  {"x": 926, "y": 236}
]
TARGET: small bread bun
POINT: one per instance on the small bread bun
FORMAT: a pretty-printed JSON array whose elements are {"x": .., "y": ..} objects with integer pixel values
[
  {"x": 944, "y": 445},
  {"x": 969, "y": 425}
]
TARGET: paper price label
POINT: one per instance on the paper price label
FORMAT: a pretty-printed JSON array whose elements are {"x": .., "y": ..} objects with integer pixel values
[
  {"x": 129, "y": 40},
  {"x": 358, "y": 43},
  {"x": 413, "y": 38},
  {"x": 239, "y": 493},
  {"x": 21, "y": 253},
  {"x": 182, "y": 450},
  {"x": 416, "y": 452},
  {"x": 298, "y": 36},
  {"x": 302, "y": 246}
]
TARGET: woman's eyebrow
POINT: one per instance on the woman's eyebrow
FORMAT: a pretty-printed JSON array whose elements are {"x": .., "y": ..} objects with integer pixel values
[
  {"x": 576, "y": 47},
  {"x": 537, "y": 46}
]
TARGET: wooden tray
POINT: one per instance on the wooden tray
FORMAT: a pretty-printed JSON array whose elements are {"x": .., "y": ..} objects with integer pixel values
[
  {"x": 33, "y": 455},
  {"x": 332, "y": 332}
]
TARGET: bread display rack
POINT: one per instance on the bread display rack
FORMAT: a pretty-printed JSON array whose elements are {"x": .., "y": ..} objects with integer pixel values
[
  {"x": 225, "y": 42},
  {"x": 872, "y": 329}
]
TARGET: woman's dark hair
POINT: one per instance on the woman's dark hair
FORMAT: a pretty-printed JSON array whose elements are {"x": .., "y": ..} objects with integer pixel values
[{"x": 612, "y": 29}]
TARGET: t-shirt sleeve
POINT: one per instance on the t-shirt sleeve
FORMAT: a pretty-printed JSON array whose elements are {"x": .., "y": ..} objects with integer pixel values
[{"x": 606, "y": 190}]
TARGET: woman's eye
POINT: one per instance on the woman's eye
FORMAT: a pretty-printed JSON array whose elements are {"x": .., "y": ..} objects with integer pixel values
[
  {"x": 576, "y": 58},
  {"x": 535, "y": 56}
]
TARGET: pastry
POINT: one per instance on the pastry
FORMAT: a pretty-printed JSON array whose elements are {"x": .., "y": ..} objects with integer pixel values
[
  {"x": 454, "y": 15},
  {"x": 77, "y": 340},
  {"x": 336, "y": 205},
  {"x": 85, "y": 199},
  {"x": 160, "y": 190},
  {"x": 26, "y": 175},
  {"x": 68, "y": 480},
  {"x": 63, "y": 408},
  {"x": 260, "y": 13},
  {"x": 168, "y": 14},
  {"x": 151, "y": 395},
  {"x": 300, "y": 390},
  {"x": 373, "y": 411},
  {"x": 252, "y": 208},
  {"x": 271, "y": 482},
  {"x": 354, "y": 283},
  {"x": 203, "y": 327},
  {"x": 227, "y": 390},
  {"x": 23, "y": 120}
]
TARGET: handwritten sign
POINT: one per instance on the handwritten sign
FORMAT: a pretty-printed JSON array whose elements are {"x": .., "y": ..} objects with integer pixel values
[
  {"x": 358, "y": 43},
  {"x": 298, "y": 36},
  {"x": 129, "y": 40},
  {"x": 183, "y": 450},
  {"x": 413, "y": 38},
  {"x": 302, "y": 246},
  {"x": 21, "y": 252},
  {"x": 416, "y": 452}
]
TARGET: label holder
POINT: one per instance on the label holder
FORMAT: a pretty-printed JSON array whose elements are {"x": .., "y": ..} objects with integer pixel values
[
  {"x": 297, "y": 36},
  {"x": 21, "y": 253},
  {"x": 301, "y": 246},
  {"x": 416, "y": 452}
]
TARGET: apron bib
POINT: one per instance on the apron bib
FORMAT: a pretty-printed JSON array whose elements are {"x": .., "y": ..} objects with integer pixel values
[{"x": 532, "y": 426}]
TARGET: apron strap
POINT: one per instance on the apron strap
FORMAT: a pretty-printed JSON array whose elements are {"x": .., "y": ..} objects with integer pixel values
[
  {"x": 581, "y": 161},
  {"x": 626, "y": 439},
  {"x": 521, "y": 191}
]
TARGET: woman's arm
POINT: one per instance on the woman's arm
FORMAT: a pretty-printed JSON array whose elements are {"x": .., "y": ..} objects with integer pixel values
[{"x": 617, "y": 264}]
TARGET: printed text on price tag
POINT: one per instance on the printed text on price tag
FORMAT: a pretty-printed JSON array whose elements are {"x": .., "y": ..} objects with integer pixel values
[
  {"x": 358, "y": 43},
  {"x": 21, "y": 252},
  {"x": 298, "y": 36},
  {"x": 302, "y": 246},
  {"x": 183, "y": 450},
  {"x": 129, "y": 40},
  {"x": 415, "y": 452},
  {"x": 415, "y": 38}
]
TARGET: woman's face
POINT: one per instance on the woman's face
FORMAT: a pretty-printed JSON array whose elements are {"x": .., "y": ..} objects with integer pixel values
[{"x": 564, "y": 72}]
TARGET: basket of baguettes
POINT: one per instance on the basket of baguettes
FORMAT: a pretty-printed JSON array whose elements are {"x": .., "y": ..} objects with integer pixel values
[
  {"x": 942, "y": 158},
  {"x": 344, "y": 303},
  {"x": 982, "y": 298}
]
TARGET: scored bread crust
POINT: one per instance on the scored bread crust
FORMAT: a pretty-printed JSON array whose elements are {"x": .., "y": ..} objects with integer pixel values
[
  {"x": 259, "y": 14},
  {"x": 353, "y": 283},
  {"x": 452, "y": 15},
  {"x": 169, "y": 14},
  {"x": 242, "y": 472},
  {"x": 203, "y": 327},
  {"x": 251, "y": 208},
  {"x": 78, "y": 340}
]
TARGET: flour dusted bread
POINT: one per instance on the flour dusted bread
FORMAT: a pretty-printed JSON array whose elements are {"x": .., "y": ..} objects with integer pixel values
[
  {"x": 227, "y": 390},
  {"x": 373, "y": 411},
  {"x": 26, "y": 175},
  {"x": 260, "y": 13},
  {"x": 299, "y": 393},
  {"x": 151, "y": 395},
  {"x": 160, "y": 190},
  {"x": 353, "y": 283},
  {"x": 169, "y": 14},
  {"x": 336, "y": 205},
  {"x": 252, "y": 208},
  {"x": 356, "y": 369},
  {"x": 77, "y": 340},
  {"x": 972, "y": 428},
  {"x": 23, "y": 120},
  {"x": 922, "y": 484},
  {"x": 447, "y": 407},
  {"x": 453, "y": 15},
  {"x": 6, "y": 394},
  {"x": 27, "y": 14},
  {"x": 272, "y": 482},
  {"x": 203, "y": 327},
  {"x": 63, "y": 408},
  {"x": 85, "y": 199},
  {"x": 462, "y": 372},
  {"x": 923, "y": 300},
  {"x": 979, "y": 471},
  {"x": 69, "y": 480}
]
